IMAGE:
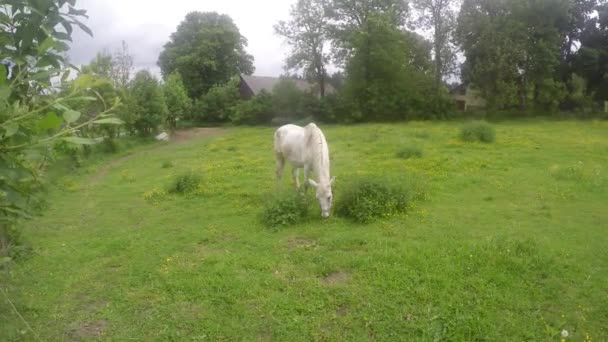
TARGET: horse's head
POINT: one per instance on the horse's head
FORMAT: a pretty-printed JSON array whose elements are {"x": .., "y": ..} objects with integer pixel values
[{"x": 323, "y": 194}]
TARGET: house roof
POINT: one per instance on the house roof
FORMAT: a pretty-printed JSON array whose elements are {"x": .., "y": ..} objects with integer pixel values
[{"x": 259, "y": 83}]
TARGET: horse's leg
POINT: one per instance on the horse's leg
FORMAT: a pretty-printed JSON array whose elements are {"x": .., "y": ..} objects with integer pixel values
[
  {"x": 306, "y": 174},
  {"x": 296, "y": 173}
]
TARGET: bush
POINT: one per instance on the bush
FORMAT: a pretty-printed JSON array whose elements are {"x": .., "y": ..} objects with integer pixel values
[
  {"x": 257, "y": 110},
  {"x": 178, "y": 102},
  {"x": 218, "y": 104},
  {"x": 145, "y": 108},
  {"x": 285, "y": 209},
  {"x": 478, "y": 131},
  {"x": 409, "y": 151},
  {"x": 184, "y": 184},
  {"x": 366, "y": 200}
]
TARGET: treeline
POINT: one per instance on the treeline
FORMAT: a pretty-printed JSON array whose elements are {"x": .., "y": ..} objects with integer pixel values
[{"x": 523, "y": 57}]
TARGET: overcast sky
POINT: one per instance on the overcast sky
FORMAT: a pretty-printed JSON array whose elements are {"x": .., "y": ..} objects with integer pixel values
[{"x": 146, "y": 26}]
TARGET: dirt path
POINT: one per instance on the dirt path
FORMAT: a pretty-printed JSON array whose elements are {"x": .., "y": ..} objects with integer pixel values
[{"x": 177, "y": 137}]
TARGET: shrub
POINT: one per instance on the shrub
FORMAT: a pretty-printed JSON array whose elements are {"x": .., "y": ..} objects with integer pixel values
[
  {"x": 257, "y": 110},
  {"x": 285, "y": 209},
  {"x": 409, "y": 151},
  {"x": 218, "y": 104},
  {"x": 478, "y": 131},
  {"x": 368, "y": 199},
  {"x": 185, "y": 183},
  {"x": 146, "y": 108},
  {"x": 176, "y": 96}
]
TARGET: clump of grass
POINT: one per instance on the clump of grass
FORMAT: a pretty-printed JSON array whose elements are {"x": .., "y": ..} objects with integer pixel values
[
  {"x": 285, "y": 209},
  {"x": 126, "y": 176},
  {"x": 478, "y": 131},
  {"x": 366, "y": 200},
  {"x": 155, "y": 196},
  {"x": 185, "y": 183},
  {"x": 409, "y": 151},
  {"x": 167, "y": 164}
]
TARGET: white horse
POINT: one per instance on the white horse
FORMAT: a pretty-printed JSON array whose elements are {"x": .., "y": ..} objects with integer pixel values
[{"x": 306, "y": 147}]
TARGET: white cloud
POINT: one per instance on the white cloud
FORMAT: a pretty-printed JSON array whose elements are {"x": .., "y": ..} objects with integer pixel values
[{"x": 146, "y": 26}]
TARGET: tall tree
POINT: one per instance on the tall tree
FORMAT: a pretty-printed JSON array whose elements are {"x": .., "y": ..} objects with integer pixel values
[
  {"x": 101, "y": 65},
  {"x": 439, "y": 16},
  {"x": 348, "y": 18},
  {"x": 123, "y": 66},
  {"x": 306, "y": 33},
  {"x": 512, "y": 50},
  {"x": 207, "y": 49}
]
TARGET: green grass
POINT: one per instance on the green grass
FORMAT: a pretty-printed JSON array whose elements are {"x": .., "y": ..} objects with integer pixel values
[{"x": 507, "y": 243}]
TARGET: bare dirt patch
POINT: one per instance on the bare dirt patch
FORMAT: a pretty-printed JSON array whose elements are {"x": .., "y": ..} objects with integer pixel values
[
  {"x": 337, "y": 277},
  {"x": 84, "y": 331}
]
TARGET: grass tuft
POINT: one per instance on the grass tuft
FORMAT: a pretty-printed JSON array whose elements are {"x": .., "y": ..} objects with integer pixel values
[
  {"x": 478, "y": 131},
  {"x": 368, "y": 199},
  {"x": 285, "y": 209},
  {"x": 409, "y": 151},
  {"x": 185, "y": 183}
]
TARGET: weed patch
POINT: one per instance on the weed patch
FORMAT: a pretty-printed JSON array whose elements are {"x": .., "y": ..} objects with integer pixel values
[
  {"x": 285, "y": 209},
  {"x": 410, "y": 151},
  {"x": 366, "y": 200},
  {"x": 478, "y": 131},
  {"x": 185, "y": 183}
]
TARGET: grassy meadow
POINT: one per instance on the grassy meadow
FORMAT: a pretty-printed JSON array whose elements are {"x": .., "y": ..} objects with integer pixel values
[{"x": 506, "y": 242}]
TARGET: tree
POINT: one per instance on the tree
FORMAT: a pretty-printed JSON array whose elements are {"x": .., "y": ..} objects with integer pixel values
[
  {"x": 512, "y": 49},
  {"x": 439, "y": 16},
  {"x": 176, "y": 97},
  {"x": 207, "y": 49},
  {"x": 349, "y": 16},
  {"x": 146, "y": 106},
  {"x": 123, "y": 66},
  {"x": 219, "y": 103},
  {"x": 33, "y": 115},
  {"x": 115, "y": 67},
  {"x": 101, "y": 65},
  {"x": 306, "y": 32},
  {"x": 382, "y": 83}
]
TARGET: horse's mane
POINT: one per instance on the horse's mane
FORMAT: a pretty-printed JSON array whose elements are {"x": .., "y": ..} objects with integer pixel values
[{"x": 316, "y": 142}]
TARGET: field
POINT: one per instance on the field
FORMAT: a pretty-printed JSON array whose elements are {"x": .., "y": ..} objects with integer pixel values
[{"x": 509, "y": 242}]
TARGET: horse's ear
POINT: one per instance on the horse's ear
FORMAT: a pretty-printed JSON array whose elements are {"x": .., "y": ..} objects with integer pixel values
[
  {"x": 332, "y": 181},
  {"x": 312, "y": 182}
]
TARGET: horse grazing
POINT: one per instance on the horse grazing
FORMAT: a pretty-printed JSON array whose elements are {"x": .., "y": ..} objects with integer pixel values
[{"x": 306, "y": 147}]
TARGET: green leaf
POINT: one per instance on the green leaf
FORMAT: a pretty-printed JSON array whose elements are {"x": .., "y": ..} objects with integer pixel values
[
  {"x": 110, "y": 121},
  {"x": 84, "y": 81},
  {"x": 71, "y": 116},
  {"x": 50, "y": 121},
  {"x": 10, "y": 129},
  {"x": 84, "y": 28},
  {"x": 80, "y": 141},
  {"x": 46, "y": 44}
]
